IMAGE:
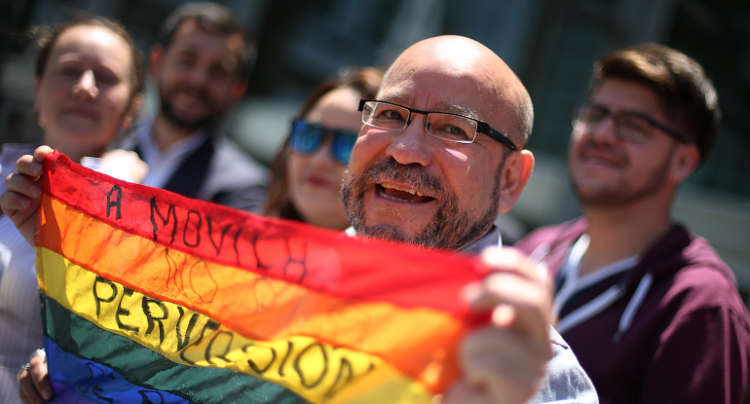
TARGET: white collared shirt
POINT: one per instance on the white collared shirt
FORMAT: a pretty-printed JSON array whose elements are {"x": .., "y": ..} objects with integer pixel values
[
  {"x": 161, "y": 166},
  {"x": 20, "y": 308}
]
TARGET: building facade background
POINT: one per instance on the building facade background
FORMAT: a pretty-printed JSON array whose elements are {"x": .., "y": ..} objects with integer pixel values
[{"x": 550, "y": 44}]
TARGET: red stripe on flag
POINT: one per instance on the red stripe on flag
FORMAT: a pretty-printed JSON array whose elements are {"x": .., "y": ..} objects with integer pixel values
[{"x": 364, "y": 271}]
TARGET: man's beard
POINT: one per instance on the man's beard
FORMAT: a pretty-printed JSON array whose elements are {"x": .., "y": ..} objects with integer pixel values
[
  {"x": 184, "y": 122},
  {"x": 619, "y": 195},
  {"x": 450, "y": 229}
]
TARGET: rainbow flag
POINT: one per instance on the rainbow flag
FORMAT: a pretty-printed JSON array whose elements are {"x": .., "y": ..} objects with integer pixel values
[{"x": 150, "y": 297}]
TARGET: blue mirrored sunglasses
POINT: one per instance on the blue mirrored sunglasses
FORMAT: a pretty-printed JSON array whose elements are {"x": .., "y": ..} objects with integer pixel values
[{"x": 306, "y": 138}]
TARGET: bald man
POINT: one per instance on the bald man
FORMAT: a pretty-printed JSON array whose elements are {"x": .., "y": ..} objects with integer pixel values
[
  {"x": 440, "y": 154},
  {"x": 441, "y": 181}
]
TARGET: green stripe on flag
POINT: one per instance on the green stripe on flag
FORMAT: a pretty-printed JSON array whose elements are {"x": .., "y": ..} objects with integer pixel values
[{"x": 142, "y": 366}]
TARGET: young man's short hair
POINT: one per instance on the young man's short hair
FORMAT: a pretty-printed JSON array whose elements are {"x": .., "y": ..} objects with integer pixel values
[{"x": 687, "y": 94}]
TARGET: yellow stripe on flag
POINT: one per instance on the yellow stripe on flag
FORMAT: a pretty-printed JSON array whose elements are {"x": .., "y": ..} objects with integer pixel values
[{"x": 316, "y": 371}]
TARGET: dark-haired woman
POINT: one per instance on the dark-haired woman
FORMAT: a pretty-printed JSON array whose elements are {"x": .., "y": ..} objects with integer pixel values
[
  {"x": 308, "y": 171},
  {"x": 87, "y": 88}
]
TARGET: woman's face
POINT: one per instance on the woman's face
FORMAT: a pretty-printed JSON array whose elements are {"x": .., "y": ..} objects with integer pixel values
[
  {"x": 83, "y": 96},
  {"x": 315, "y": 179}
]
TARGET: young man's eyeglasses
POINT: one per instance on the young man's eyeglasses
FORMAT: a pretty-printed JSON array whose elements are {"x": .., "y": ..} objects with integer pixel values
[
  {"x": 630, "y": 126},
  {"x": 306, "y": 138},
  {"x": 444, "y": 125}
]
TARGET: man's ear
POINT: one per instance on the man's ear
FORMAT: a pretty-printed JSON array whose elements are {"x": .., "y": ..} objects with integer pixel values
[
  {"x": 515, "y": 174},
  {"x": 155, "y": 56},
  {"x": 685, "y": 161},
  {"x": 238, "y": 89}
]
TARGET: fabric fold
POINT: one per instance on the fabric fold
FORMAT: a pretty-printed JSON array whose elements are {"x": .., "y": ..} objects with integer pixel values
[{"x": 148, "y": 287}]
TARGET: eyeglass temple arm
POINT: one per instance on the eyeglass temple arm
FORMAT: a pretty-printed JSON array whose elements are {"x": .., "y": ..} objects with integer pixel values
[
  {"x": 487, "y": 130},
  {"x": 481, "y": 127}
]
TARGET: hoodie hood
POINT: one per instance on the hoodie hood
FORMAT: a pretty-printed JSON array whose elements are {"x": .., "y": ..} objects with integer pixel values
[
  {"x": 676, "y": 251},
  {"x": 679, "y": 249}
]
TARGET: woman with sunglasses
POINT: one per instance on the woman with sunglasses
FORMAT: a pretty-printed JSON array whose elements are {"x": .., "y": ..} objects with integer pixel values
[{"x": 306, "y": 175}]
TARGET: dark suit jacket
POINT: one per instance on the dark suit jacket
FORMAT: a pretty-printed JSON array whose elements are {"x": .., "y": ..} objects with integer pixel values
[{"x": 219, "y": 171}]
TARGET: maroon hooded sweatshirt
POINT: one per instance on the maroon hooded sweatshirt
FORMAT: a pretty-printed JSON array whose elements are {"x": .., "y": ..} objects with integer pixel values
[{"x": 689, "y": 339}]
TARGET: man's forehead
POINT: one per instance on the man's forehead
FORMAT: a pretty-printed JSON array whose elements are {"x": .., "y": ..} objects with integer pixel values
[
  {"x": 188, "y": 27},
  {"x": 191, "y": 37},
  {"x": 189, "y": 32},
  {"x": 407, "y": 96},
  {"x": 619, "y": 94},
  {"x": 461, "y": 76}
]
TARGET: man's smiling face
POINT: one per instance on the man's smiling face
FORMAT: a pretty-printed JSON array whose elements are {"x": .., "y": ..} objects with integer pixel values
[
  {"x": 410, "y": 186},
  {"x": 607, "y": 171},
  {"x": 197, "y": 75}
]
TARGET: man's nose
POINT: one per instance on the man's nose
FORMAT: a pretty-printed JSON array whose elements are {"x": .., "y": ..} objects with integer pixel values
[
  {"x": 199, "y": 74},
  {"x": 605, "y": 131},
  {"x": 412, "y": 145},
  {"x": 86, "y": 86}
]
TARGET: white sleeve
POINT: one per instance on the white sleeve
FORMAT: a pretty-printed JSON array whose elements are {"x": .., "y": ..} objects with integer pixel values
[{"x": 565, "y": 381}]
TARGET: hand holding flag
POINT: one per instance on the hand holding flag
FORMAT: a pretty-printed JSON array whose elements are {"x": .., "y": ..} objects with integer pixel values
[{"x": 324, "y": 292}]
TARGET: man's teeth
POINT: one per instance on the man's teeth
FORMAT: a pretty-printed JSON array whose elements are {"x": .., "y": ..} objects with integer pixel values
[{"x": 402, "y": 189}]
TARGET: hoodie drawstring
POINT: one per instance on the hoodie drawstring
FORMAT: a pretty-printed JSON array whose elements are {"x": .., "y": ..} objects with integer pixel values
[
  {"x": 591, "y": 308},
  {"x": 635, "y": 302}
]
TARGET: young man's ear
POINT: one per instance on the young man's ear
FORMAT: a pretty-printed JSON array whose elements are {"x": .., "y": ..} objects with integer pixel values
[
  {"x": 238, "y": 89},
  {"x": 515, "y": 174},
  {"x": 155, "y": 55},
  {"x": 685, "y": 161}
]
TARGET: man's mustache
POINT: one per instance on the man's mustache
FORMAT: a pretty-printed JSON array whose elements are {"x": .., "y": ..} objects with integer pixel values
[
  {"x": 411, "y": 175},
  {"x": 201, "y": 93},
  {"x": 593, "y": 147}
]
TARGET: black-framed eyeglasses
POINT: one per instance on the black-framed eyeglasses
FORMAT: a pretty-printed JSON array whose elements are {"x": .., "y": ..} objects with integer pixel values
[
  {"x": 306, "y": 139},
  {"x": 630, "y": 126},
  {"x": 444, "y": 125}
]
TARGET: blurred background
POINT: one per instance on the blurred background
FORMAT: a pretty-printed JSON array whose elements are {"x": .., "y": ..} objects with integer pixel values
[{"x": 550, "y": 44}]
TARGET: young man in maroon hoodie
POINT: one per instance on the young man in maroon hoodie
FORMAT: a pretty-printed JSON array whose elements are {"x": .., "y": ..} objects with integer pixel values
[{"x": 651, "y": 310}]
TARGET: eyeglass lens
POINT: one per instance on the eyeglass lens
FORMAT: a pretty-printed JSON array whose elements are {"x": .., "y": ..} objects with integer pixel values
[
  {"x": 628, "y": 127},
  {"x": 306, "y": 139},
  {"x": 444, "y": 126}
]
